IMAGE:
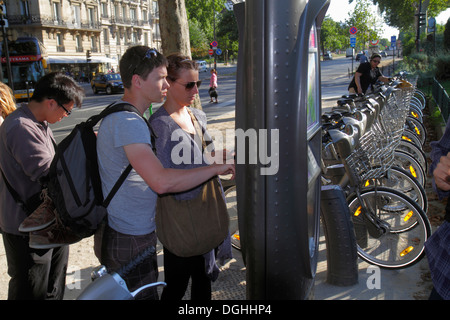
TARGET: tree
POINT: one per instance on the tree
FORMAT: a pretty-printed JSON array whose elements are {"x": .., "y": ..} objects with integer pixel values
[
  {"x": 175, "y": 31},
  {"x": 447, "y": 35},
  {"x": 332, "y": 35},
  {"x": 174, "y": 27},
  {"x": 400, "y": 14},
  {"x": 366, "y": 22}
]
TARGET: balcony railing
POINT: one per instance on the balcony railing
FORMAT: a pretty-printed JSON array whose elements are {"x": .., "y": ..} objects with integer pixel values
[{"x": 47, "y": 21}]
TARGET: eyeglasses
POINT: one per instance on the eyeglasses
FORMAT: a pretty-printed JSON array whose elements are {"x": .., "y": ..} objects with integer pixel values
[
  {"x": 191, "y": 85},
  {"x": 376, "y": 61},
  {"x": 148, "y": 55},
  {"x": 67, "y": 111}
]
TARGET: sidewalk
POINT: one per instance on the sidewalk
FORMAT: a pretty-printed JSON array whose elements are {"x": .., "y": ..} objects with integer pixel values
[{"x": 412, "y": 283}]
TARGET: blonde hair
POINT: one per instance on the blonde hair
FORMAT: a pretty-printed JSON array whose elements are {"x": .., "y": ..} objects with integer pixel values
[{"x": 7, "y": 101}]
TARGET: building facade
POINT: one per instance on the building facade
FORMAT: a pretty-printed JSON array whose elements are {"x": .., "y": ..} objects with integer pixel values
[{"x": 72, "y": 30}]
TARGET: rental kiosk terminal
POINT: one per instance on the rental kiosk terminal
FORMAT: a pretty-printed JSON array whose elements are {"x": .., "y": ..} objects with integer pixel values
[{"x": 278, "y": 97}]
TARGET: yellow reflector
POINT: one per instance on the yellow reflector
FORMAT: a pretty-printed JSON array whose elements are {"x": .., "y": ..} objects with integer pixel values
[
  {"x": 406, "y": 138},
  {"x": 406, "y": 251},
  {"x": 413, "y": 172},
  {"x": 415, "y": 115},
  {"x": 367, "y": 183},
  {"x": 417, "y": 130},
  {"x": 408, "y": 216},
  {"x": 236, "y": 236},
  {"x": 358, "y": 211}
]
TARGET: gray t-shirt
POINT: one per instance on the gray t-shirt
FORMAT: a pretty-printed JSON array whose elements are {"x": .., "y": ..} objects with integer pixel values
[{"x": 132, "y": 209}]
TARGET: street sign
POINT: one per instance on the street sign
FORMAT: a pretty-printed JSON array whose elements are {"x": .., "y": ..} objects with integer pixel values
[
  {"x": 214, "y": 43},
  {"x": 211, "y": 52},
  {"x": 353, "y": 30},
  {"x": 393, "y": 39},
  {"x": 218, "y": 51},
  {"x": 374, "y": 42},
  {"x": 352, "y": 41}
]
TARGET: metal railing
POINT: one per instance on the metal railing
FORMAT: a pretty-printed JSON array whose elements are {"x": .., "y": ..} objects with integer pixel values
[{"x": 441, "y": 98}]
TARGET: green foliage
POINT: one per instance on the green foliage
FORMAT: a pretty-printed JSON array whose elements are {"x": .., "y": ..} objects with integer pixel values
[
  {"x": 447, "y": 36},
  {"x": 442, "y": 66},
  {"x": 400, "y": 13}
]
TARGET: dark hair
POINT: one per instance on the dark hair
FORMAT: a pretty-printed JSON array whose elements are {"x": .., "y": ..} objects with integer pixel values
[
  {"x": 137, "y": 60},
  {"x": 178, "y": 62},
  {"x": 60, "y": 87}
]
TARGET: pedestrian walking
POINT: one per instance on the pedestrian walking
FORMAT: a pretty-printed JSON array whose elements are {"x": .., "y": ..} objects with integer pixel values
[{"x": 213, "y": 86}]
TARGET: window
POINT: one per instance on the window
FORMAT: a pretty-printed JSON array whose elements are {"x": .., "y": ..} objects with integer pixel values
[
  {"x": 79, "y": 43},
  {"x": 56, "y": 11},
  {"x": 106, "y": 36},
  {"x": 104, "y": 9},
  {"x": 25, "y": 8},
  {"x": 76, "y": 15},
  {"x": 60, "y": 43}
]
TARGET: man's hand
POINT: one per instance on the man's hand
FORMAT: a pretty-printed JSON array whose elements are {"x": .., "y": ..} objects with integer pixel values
[{"x": 442, "y": 173}]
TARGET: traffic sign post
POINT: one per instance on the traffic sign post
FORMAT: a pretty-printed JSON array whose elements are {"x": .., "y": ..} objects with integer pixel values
[{"x": 353, "y": 30}]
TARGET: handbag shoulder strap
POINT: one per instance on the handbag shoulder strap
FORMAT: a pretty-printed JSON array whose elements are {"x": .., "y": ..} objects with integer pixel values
[{"x": 197, "y": 127}]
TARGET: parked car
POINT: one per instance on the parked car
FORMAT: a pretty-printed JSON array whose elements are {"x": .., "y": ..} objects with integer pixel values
[
  {"x": 383, "y": 54},
  {"x": 202, "y": 67},
  {"x": 328, "y": 56},
  {"x": 109, "y": 82}
]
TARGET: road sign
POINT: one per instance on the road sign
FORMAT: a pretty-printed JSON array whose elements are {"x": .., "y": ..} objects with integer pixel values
[
  {"x": 214, "y": 43},
  {"x": 218, "y": 51},
  {"x": 374, "y": 42},
  {"x": 353, "y": 30},
  {"x": 211, "y": 52},
  {"x": 393, "y": 39},
  {"x": 352, "y": 41}
]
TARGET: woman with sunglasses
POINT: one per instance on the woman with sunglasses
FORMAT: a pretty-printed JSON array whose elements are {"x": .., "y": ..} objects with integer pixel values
[
  {"x": 367, "y": 74},
  {"x": 176, "y": 119}
]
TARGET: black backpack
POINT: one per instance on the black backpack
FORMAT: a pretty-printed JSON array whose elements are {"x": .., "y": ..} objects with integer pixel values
[{"x": 73, "y": 181}]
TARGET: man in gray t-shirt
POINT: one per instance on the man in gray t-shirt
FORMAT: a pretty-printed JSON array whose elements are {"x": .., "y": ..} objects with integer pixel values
[
  {"x": 124, "y": 138},
  {"x": 132, "y": 209}
]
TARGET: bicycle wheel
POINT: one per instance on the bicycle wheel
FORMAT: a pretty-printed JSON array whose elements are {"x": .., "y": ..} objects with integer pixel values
[
  {"x": 400, "y": 180},
  {"x": 408, "y": 135},
  {"x": 404, "y": 228},
  {"x": 417, "y": 128},
  {"x": 231, "y": 200},
  {"x": 415, "y": 152},
  {"x": 421, "y": 97},
  {"x": 407, "y": 162}
]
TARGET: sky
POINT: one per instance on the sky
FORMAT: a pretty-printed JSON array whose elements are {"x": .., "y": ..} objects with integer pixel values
[{"x": 339, "y": 9}]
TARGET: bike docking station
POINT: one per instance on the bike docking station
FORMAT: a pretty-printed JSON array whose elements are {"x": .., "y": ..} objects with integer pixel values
[{"x": 278, "y": 89}]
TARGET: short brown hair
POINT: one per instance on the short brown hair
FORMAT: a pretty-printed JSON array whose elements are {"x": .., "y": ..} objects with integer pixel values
[{"x": 135, "y": 61}]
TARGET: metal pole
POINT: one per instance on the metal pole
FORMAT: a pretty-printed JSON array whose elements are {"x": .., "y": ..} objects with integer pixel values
[{"x": 8, "y": 62}]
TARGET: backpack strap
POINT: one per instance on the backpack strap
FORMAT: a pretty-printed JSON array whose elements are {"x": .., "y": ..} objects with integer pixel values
[
  {"x": 30, "y": 204},
  {"x": 117, "y": 107}
]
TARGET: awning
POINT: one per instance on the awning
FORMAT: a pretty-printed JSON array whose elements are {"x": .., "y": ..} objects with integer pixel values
[{"x": 79, "y": 59}]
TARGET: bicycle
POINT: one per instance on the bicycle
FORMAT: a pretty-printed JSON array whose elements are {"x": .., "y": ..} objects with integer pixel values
[{"x": 382, "y": 239}]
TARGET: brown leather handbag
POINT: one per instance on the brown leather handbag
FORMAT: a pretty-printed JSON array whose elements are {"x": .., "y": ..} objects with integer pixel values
[{"x": 193, "y": 227}]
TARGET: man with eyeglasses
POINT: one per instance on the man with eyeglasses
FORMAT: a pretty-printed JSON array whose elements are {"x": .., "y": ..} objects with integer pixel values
[
  {"x": 367, "y": 74},
  {"x": 26, "y": 152},
  {"x": 124, "y": 138}
]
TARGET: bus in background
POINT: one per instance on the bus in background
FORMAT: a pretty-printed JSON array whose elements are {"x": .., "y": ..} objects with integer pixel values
[{"x": 28, "y": 59}]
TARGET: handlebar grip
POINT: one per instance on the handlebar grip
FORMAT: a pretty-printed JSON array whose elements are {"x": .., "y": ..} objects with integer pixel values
[{"x": 126, "y": 269}]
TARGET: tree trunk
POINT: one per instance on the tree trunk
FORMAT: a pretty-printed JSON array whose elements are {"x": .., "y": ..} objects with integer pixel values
[{"x": 175, "y": 31}]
